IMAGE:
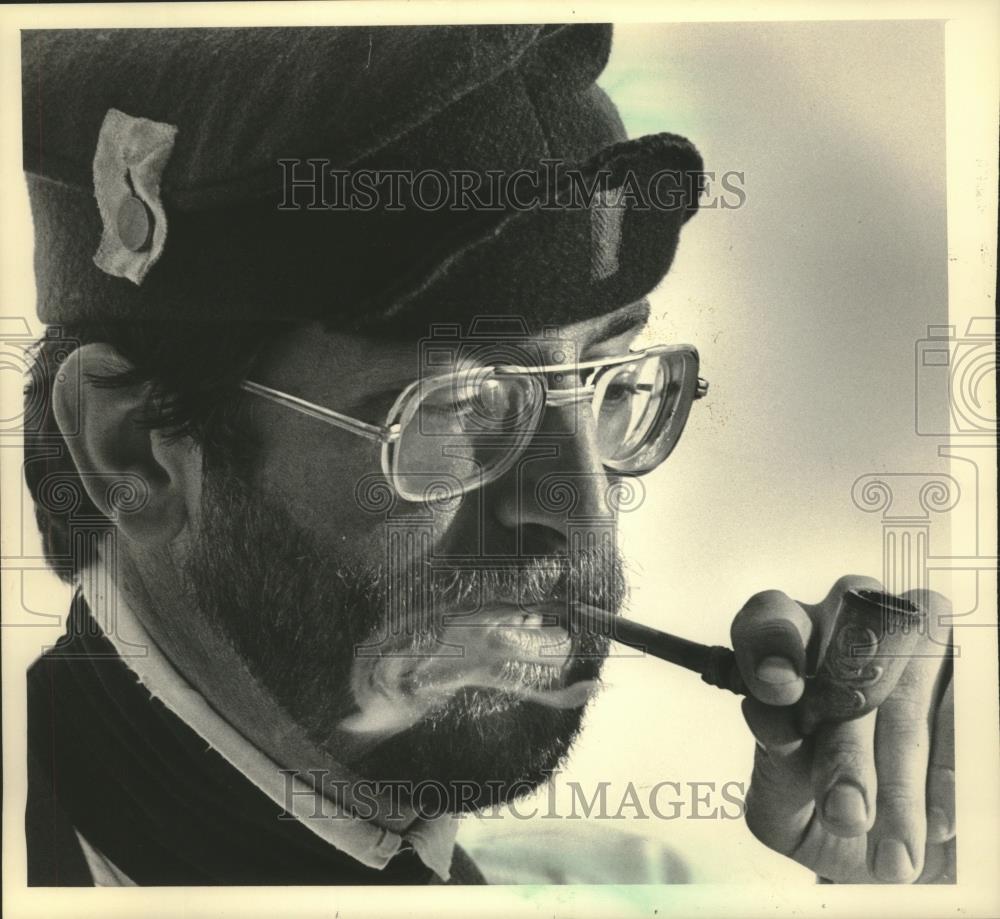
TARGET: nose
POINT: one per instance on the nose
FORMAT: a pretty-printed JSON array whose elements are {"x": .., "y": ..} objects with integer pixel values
[{"x": 557, "y": 495}]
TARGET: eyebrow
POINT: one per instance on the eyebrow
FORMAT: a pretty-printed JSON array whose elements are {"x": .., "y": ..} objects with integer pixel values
[{"x": 630, "y": 319}]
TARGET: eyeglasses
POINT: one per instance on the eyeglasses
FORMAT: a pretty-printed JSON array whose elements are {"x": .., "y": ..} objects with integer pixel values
[{"x": 452, "y": 433}]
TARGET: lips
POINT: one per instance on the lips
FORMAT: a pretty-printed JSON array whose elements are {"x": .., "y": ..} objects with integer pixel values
[
  {"x": 508, "y": 631},
  {"x": 523, "y": 651}
]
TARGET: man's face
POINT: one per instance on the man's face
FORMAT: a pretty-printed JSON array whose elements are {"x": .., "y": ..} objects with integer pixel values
[{"x": 405, "y": 638}]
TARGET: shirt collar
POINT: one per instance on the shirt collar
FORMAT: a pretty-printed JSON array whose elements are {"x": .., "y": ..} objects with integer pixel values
[{"x": 432, "y": 839}]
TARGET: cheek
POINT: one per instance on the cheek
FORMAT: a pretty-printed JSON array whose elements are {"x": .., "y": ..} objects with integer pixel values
[{"x": 332, "y": 485}]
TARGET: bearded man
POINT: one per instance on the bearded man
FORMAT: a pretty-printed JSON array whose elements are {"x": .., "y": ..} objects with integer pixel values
[{"x": 334, "y": 464}]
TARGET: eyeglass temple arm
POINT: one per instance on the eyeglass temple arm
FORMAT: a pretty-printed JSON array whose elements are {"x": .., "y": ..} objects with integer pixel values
[
  {"x": 701, "y": 388},
  {"x": 382, "y": 434}
]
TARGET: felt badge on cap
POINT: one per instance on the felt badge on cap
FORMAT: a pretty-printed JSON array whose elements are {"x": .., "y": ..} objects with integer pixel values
[
  {"x": 128, "y": 165},
  {"x": 605, "y": 235}
]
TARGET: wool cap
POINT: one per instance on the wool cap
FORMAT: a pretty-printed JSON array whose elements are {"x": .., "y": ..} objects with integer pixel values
[{"x": 374, "y": 178}]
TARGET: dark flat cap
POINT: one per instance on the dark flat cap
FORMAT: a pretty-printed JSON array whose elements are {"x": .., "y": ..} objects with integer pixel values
[{"x": 191, "y": 173}]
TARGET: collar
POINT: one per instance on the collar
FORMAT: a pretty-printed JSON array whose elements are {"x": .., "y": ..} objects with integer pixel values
[{"x": 433, "y": 840}]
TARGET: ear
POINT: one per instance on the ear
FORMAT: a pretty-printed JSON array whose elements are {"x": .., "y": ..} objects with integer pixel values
[{"x": 148, "y": 484}]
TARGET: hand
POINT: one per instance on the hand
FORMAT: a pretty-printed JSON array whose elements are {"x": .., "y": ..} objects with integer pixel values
[{"x": 866, "y": 801}]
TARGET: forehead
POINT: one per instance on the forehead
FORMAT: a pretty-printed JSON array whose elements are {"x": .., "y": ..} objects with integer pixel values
[{"x": 314, "y": 360}]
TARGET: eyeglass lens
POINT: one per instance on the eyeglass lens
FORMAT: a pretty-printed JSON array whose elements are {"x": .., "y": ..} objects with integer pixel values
[{"x": 469, "y": 428}]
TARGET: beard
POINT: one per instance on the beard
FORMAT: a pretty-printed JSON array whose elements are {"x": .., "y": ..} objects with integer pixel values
[{"x": 296, "y": 617}]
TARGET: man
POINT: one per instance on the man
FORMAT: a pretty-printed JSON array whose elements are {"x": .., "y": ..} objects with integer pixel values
[{"x": 338, "y": 392}]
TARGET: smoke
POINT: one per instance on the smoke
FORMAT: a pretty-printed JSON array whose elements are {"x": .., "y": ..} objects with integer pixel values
[{"x": 508, "y": 629}]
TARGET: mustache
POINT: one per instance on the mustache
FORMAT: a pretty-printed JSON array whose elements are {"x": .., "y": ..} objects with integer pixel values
[
  {"x": 592, "y": 576},
  {"x": 418, "y": 596},
  {"x": 406, "y": 674}
]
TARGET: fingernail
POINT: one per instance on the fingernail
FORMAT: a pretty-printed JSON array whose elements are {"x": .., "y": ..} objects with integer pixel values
[
  {"x": 845, "y": 805},
  {"x": 892, "y": 861},
  {"x": 776, "y": 670}
]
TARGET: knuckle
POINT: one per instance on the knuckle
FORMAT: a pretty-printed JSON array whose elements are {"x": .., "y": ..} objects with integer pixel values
[
  {"x": 851, "y": 752},
  {"x": 904, "y": 740},
  {"x": 766, "y": 598},
  {"x": 851, "y": 767},
  {"x": 896, "y": 797},
  {"x": 758, "y": 826},
  {"x": 764, "y": 615},
  {"x": 760, "y": 823},
  {"x": 759, "y": 605},
  {"x": 941, "y": 774},
  {"x": 754, "y": 718},
  {"x": 907, "y": 713}
]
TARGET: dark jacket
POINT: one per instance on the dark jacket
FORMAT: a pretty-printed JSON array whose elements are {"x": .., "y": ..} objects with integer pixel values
[{"x": 108, "y": 760}]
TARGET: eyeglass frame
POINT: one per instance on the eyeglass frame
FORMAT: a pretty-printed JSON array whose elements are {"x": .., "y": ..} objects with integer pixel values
[{"x": 389, "y": 433}]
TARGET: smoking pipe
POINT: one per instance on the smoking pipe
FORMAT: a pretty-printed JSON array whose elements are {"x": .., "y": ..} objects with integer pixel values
[{"x": 851, "y": 666}]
